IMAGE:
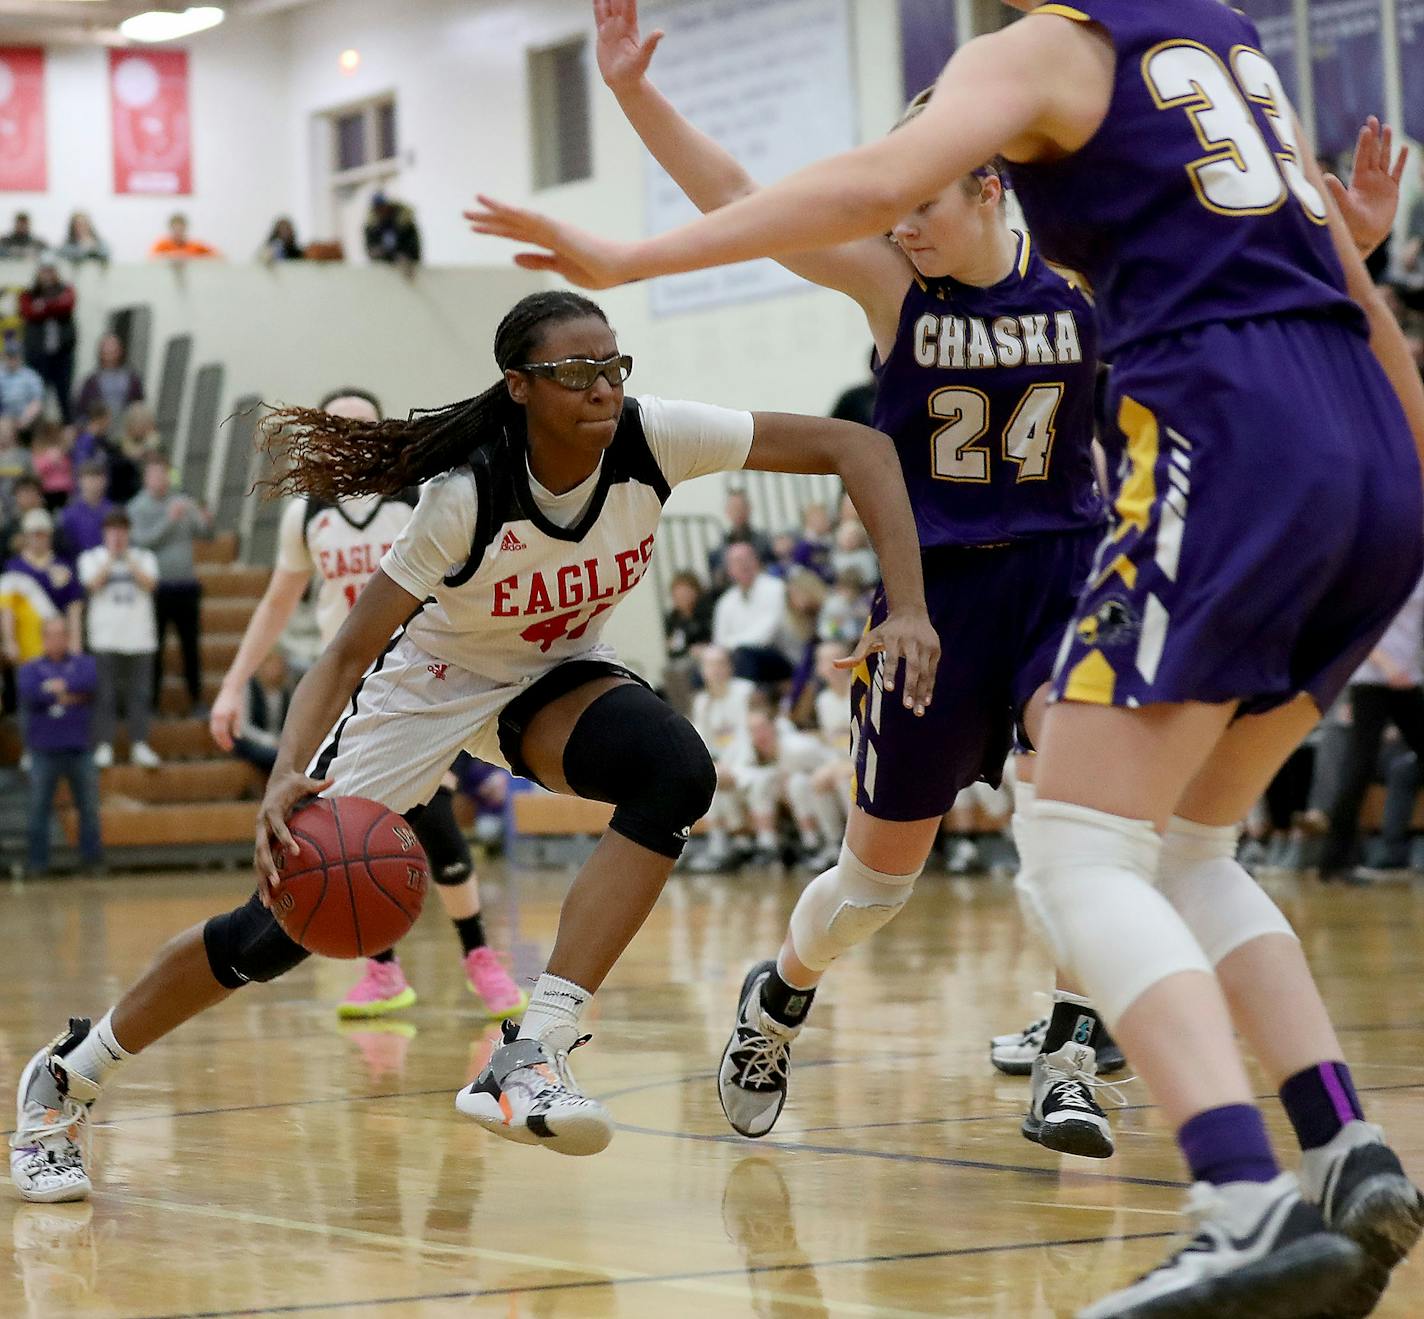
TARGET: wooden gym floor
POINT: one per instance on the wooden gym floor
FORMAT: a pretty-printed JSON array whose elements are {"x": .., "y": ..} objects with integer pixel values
[{"x": 267, "y": 1161}]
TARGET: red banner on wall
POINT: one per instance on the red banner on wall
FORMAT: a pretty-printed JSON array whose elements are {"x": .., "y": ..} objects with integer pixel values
[
  {"x": 22, "y": 119},
  {"x": 148, "y": 96}
]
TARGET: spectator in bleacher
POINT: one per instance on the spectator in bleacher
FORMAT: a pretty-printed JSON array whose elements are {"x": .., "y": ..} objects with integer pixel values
[
  {"x": 112, "y": 382},
  {"x": 22, "y": 390},
  {"x": 167, "y": 522},
  {"x": 813, "y": 545},
  {"x": 738, "y": 513},
  {"x": 92, "y": 443},
  {"x": 57, "y": 698},
  {"x": 20, "y": 244},
  {"x": 123, "y": 636},
  {"x": 82, "y": 242},
  {"x": 138, "y": 442},
  {"x": 51, "y": 452},
  {"x": 719, "y": 714},
  {"x": 269, "y": 693},
  {"x": 796, "y": 639},
  {"x": 47, "y": 307},
  {"x": 487, "y": 786},
  {"x": 858, "y": 402},
  {"x": 178, "y": 244},
  {"x": 846, "y": 608},
  {"x": 748, "y": 618},
  {"x": 25, "y": 497},
  {"x": 15, "y": 462},
  {"x": 281, "y": 244},
  {"x": 1387, "y": 689},
  {"x": 852, "y": 554},
  {"x": 56, "y": 578},
  {"x": 392, "y": 236},
  {"x": 80, "y": 525},
  {"x": 833, "y": 698},
  {"x": 687, "y": 627}
]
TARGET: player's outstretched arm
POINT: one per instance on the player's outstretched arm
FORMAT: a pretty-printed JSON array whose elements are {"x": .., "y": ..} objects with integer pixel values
[
  {"x": 865, "y": 461},
  {"x": 380, "y": 611},
  {"x": 869, "y": 270},
  {"x": 274, "y": 611},
  {"x": 1035, "y": 88}
]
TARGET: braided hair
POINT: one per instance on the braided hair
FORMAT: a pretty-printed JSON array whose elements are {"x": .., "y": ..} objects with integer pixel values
[{"x": 332, "y": 458}]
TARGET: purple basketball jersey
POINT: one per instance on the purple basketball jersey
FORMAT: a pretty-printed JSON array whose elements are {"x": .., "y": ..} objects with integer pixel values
[
  {"x": 1189, "y": 206},
  {"x": 989, "y": 397}
]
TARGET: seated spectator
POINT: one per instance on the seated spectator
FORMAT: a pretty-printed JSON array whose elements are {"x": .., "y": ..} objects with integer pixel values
[
  {"x": 20, "y": 244},
  {"x": 113, "y": 382},
  {"x": 47, "y": 307},
  {"x": 846, "y": 609},
  {"x": 487, "y": 786},
  {"x": 796, "y": 639},
  {"x": 82, "y": 242},
  {"x": 687, "y": 626},
  {"x": 391, "y": 232},
  {"x": 50, "y": 451},
  {"x": 719, "y": 714},
  {"x": 281, "y": 244},
  {"x": 269, "y": 693},
  {"x": 138, "y": 442},
  {"x": 738, "y": 512},
  {"x": 783, "y": 555},
  {"x": 852, "y": 554},
  {"x": 748, "y": 618},
  {"x": 178, "y": 245},
  {"x": 80, "y": 525},
  {"x": 833, "y": 700},
  {"x": 813, "y": 546},
  {"x": 167, "y": 522},
  {"x": 123, "y": 636},
  {"x": 15, "y": 462},
  {"x": 56, "y": 698},
  {"x": 22, "y": 391},
  {"x": 38, "y": 561},
  {"x": 92, "y": 444},
  {"x": 25, "y": 497}
]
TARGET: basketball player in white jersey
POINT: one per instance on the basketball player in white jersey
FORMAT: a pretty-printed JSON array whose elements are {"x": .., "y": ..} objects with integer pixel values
[{"x": 337, "y": 545}]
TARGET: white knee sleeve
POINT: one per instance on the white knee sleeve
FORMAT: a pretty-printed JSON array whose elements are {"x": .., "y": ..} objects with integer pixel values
[
  {"x": 844, "y": 907},
  {"x": 1089, "y": 890},
  {"x": 1221, "y": 904}
]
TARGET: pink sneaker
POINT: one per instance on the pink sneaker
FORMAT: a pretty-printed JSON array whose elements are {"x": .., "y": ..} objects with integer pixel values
[
  {"x": 381, "y": 990},
  {"x": 493, "y": 984}
]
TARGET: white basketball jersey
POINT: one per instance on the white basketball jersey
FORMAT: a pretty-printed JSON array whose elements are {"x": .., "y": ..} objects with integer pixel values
[
  {"x": 342, "y": 545},
  {"x": 510, "y": 593}
]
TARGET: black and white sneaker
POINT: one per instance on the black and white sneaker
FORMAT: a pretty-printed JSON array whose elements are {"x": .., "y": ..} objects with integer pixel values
[
  {"x": 1362, "y": 1190},
  {"x": 1014, "y": 1054},
  {"x": 48, "y": 1150},
  {"x": 1260, "y": 1252},
  {"x": 1062, "y": 1114},
  {"x": 756, "y": 1064},
  {"x": 527, "y": 1094}
]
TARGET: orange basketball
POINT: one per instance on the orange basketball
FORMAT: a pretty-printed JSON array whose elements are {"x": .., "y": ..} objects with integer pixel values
[{"x": 358, "y": 883}]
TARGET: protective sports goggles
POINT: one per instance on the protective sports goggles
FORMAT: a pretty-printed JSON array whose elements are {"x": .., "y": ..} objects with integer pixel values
[{"x": 581, "y": 372}]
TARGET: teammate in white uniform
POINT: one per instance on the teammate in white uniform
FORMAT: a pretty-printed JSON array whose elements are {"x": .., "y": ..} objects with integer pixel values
[
  {"x": 481, "y": 632},
  {"x": 339, "y": 544}
]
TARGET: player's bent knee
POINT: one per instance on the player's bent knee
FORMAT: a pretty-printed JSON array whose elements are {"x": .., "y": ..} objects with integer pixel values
[
  {"x": 634, "y": 750},
  {"x": 1222, "y": 905},
  {"x": 844, "y": 907},
  {"x": 1089, "y": 892},
  {"x": 247, "y": 944}
]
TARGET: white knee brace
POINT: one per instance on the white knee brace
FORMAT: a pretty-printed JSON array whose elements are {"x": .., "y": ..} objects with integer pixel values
[
  {"x": 844, "y": 907},
  {"x": 1221, "y": 904},
  {"x": 1088, "y": 888}
]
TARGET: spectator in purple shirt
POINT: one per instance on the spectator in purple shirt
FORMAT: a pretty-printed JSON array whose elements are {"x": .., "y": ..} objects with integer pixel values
[
  {"x": 57, "y": 695},
  {"x": 81, "y": 521},
  {"x": 56, "y": 578},
  {"x": 114, "y": 383}
]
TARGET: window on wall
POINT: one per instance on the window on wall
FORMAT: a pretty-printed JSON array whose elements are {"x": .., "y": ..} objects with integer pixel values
[
  {"x": 560, "y": 114},
  {"x": 363, "y": 139}
]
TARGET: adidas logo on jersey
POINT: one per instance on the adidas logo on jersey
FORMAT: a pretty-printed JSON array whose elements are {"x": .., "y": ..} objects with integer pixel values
[
  {"x": 437, "y": 670},
  {"x": 510, "y": 542}
]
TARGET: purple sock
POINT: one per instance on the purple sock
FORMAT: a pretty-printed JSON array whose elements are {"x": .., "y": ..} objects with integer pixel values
[
  {"x": 1228, "y": 1145},
  {"x": 1319, "y": 1101}
]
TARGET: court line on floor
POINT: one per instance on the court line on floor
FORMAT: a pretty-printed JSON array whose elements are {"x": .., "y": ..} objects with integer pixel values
[{"x": 690, "y": 1281}]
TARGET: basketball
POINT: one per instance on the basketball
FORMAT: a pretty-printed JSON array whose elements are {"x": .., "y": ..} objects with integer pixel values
[{"x": 358, "y": 883}]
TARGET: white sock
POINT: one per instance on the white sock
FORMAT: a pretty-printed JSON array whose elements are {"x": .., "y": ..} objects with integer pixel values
[
  {"x": 553, "y": 1014},
  {"x": 99, "y": 1055}
]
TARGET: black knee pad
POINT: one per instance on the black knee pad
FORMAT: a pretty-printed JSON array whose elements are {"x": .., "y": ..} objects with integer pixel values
[
  {"x": 247, "y": 944},
  {"x": 439, "y": 833},
  {"x": 634, "y": 750}
]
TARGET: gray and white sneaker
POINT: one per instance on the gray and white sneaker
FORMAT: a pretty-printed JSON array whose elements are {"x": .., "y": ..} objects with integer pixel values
[
  {"x": 1259, "y": 1252},
  {"x": 528, "y": 1095},
  {"x": 1014, "y": 1054},
  {"x": 1362, "y": 1190},
  {"x": 48, "y": 1149},
  {"x": 1062, "y": 1114},
  {"x": 756, "y": 1064}
]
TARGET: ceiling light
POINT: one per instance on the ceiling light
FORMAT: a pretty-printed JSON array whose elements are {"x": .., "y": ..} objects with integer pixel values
[
  {"x": 164, "y": 25},
  {"x": 350, "y": 61}
]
